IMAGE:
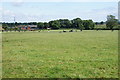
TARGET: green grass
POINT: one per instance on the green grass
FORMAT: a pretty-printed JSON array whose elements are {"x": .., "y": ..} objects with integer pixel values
[
  {"x": 0, "y": 55},
  {"x": 86, "y": 54},
  {"x": 103, "y": 26},
  {"x": 100, "y": 26}
]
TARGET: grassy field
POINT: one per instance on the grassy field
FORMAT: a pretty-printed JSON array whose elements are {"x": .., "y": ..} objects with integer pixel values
[
  {"x": 86, "y": 54},
  {"x": 100, "y": 26},
  {"x": 0, "y": 53}
]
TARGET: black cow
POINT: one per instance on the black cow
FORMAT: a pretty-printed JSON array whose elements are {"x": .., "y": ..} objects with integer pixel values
[
  {"x": 71, "y": 31},
  {"x": 64, "y": 31}
]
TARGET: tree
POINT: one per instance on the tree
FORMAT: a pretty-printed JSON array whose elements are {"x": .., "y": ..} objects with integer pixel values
[
  {"x": 111, "y": 22},
  {"x": 15, "y": 24},
  {"x": 118, "y": 22},
  {"x": 54, "y": 24},
  {"x": 101, "y": 22},
  {"x": 92, "y": 24},
  {"x": 32, "y": 23},
  {"x": 96, "y": 23},
  {"x": 16, "y": 28},
  {"x": 77, "y": 23},
  {"x": 64, "y": 23},
  {"x": 46, "y": 25},
  {"x": 40, "y": 25},
  {"x": 88, "y": 24},
  {"x": 4, "y": 26}
]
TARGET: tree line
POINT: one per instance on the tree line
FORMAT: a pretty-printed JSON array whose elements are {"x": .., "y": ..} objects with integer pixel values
[{"x": 76, "y": 23}]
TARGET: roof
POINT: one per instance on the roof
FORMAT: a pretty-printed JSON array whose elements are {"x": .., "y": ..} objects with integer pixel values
[
  {"x": 21, "y": 26},
  {"x": 1, "y": 28},
  {"x": 27, "y": 26},
  {"x": 32, "y": 25}
]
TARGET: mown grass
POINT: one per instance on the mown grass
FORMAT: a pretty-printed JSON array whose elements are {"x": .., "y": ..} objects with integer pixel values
[{"x": 86, "y": 54}]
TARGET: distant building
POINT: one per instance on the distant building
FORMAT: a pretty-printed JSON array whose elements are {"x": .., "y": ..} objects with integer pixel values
[
  {"x": 28, "y": 27},
  {"x": 32, "y": 27},
  {"x": 1, "y": 29}
]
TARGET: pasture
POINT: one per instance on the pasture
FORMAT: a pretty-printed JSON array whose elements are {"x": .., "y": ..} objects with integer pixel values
[
  {"x": 86, "y": 54},
  {"x": 0, "y": 53}
]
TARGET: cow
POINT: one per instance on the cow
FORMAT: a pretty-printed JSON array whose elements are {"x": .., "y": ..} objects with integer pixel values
[
  {"x": 64, "y": 31},
  {"x": 71, "y": 30}
]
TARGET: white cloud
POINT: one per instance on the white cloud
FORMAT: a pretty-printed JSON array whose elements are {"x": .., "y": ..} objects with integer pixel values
[
  {"x": 119, "y": 11},
  {"x": 8, "y": 12},
  {"x": 101, "y": 14},
  {"x": 0, "y": 8},
  {"x": 17, "y": 3},
  {"x": 32, "y": 0},
  {"x": 0, "y": 14},
  {"x": 107, "y": 11},
  {"x": 60, "y": 0},
  {"x": 96, "y": 14},
  {"x": 7, "y": 15}
]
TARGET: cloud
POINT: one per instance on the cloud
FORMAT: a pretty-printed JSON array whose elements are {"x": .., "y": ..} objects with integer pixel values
[
  {"x": 7, "y": 15},
  {"x": 18, "y": 3},
  {"x": 32, "y": 1},
  {"x": 101, "y": 14},
  {"x": 0, "y": 14},
  {"x": 8, "y": 12},
  {"x": 61, "y": 0},
  {"x": 106, "y": 11},
  {"x": 0, "y": 8},
  {"x": 95, "y": 14}
]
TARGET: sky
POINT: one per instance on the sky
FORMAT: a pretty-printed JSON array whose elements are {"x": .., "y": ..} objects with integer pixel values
[{"x": 47, "y": 11}]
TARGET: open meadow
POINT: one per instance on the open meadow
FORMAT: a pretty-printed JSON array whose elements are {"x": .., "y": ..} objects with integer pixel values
[{"x": 86, "y": 54}]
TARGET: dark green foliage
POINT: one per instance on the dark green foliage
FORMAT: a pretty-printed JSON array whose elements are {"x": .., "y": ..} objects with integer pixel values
[
  {"x": 77, "y": 23},
  {"x": 88, "y": 24},
  {"x": 111, "y": 22},
  {"x": 54, "y": 24},
  {"x": 40, "y": 25},
  {"x": 101, "y": 22},
  {"x": 5, "y": 26},
  {"x": 64, "y": 23},
  {"x": 46, "y": 25}
]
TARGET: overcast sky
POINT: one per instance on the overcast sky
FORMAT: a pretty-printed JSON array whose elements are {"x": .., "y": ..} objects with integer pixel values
[{"x": 46, "y": 11}]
